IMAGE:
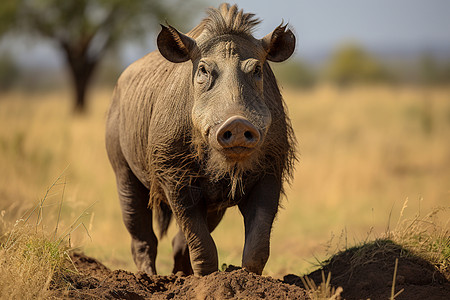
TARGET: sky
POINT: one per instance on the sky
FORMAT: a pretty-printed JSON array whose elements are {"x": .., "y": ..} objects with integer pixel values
[
  {"x": 320, "y": 26},
  {"x": 377, "y": 24}
]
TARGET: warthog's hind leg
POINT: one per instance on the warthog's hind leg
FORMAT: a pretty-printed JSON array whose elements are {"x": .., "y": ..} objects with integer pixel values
[{"x": 138, "y": 221}]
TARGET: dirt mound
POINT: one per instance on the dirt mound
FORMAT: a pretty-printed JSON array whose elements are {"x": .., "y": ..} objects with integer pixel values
[
  {"x": 363, "y": 272},
  {"x": 97, "y": 281},
  {"x": 367, "y": 272}
]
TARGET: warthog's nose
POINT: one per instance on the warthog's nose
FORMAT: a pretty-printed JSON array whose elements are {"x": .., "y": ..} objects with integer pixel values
[{"x": 237, "y": 131}]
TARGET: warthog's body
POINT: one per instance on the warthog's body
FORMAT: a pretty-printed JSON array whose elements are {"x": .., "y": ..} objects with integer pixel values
[{"x": 199, "y": 126}]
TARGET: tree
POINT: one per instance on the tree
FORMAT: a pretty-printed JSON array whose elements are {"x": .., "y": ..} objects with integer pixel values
[
  {"x": 8, "y": 14},
  {"x": 84, "y": 30},
  {"x": 9, "y": 72},
  {"x": 351, "y": 64}
]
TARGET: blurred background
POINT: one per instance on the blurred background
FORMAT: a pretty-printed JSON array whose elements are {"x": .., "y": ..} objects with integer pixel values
[{"x": 368, "y": 92}]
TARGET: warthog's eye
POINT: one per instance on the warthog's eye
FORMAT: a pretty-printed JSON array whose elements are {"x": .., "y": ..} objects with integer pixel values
[
  {"x": 202, "y": 74},
  {"x": 252, "y": 67},
  {"x": 257, "y": 71}
]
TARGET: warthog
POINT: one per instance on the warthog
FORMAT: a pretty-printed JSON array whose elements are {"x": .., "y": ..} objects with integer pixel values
[{"x": 197, "y": 127}]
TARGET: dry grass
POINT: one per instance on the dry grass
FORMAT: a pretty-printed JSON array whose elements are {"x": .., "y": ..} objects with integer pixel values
[
  {"x": 27, "y": 269},
  {"x": 324, "y": 291},
  {"x": 421, "y": 236},
  {"x": 394, "y": 280},
  {"x": 30, "y": 264},
  {"x": 425, "y": 236},
  {"x": 34, "y": 257},
  {"x": 361, "y": 150}
]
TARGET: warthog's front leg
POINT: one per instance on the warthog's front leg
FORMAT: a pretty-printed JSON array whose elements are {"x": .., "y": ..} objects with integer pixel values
[
  {"x": 182, "y": 260},
  {"x": 190, "y": 211},
  {"x": 259, "y": 211}
]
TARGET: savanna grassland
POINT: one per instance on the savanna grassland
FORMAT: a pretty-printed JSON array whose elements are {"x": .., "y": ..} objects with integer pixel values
[{"x": 362, "y": 153}]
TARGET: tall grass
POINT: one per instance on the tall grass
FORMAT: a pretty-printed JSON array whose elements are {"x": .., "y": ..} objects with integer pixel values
[
  {"x": 360, "y": 151},
  {"x": 34, "y": 256},
  {"x": 426, "y": 236}
]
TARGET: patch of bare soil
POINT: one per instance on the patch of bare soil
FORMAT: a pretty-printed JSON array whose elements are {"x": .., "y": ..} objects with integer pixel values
[
  {"x": 97, "y": 281},
  {"x": 364, "y": 272},
  {"x": 367, "y": 272}
]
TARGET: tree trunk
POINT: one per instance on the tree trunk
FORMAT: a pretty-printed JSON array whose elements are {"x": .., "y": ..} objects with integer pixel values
[
  {"x": 81, "y": 68},
  {"x": 80, "y": 82}
]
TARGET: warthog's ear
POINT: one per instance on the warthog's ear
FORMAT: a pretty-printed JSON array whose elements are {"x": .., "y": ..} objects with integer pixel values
[
  {"x": 279, "y": 44},
  {"x": 175, "y": 46}
]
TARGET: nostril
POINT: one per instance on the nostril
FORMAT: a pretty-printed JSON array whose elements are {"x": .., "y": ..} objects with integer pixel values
[
  {"x": 227, "y": 135},
  {"x": 248, "y": 135}
]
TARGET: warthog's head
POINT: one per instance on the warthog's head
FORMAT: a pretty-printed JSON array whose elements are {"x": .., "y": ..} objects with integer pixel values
[{"x": 230, "y": 112}]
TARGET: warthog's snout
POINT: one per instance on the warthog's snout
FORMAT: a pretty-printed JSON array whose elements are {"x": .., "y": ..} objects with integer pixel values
[{"x": 238, "y": 137}]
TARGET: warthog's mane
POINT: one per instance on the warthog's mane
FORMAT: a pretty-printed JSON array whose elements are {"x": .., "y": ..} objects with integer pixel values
[{"x": 226, "y": 20}]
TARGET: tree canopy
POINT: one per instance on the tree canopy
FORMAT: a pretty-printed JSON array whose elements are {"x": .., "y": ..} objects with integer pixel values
[
  {"x": 84, "y": 30},
  {"x": 351, "y": 64}
]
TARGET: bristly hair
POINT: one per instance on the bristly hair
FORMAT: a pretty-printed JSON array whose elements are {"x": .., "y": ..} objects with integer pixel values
[{"x": 229, "y": 20}]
